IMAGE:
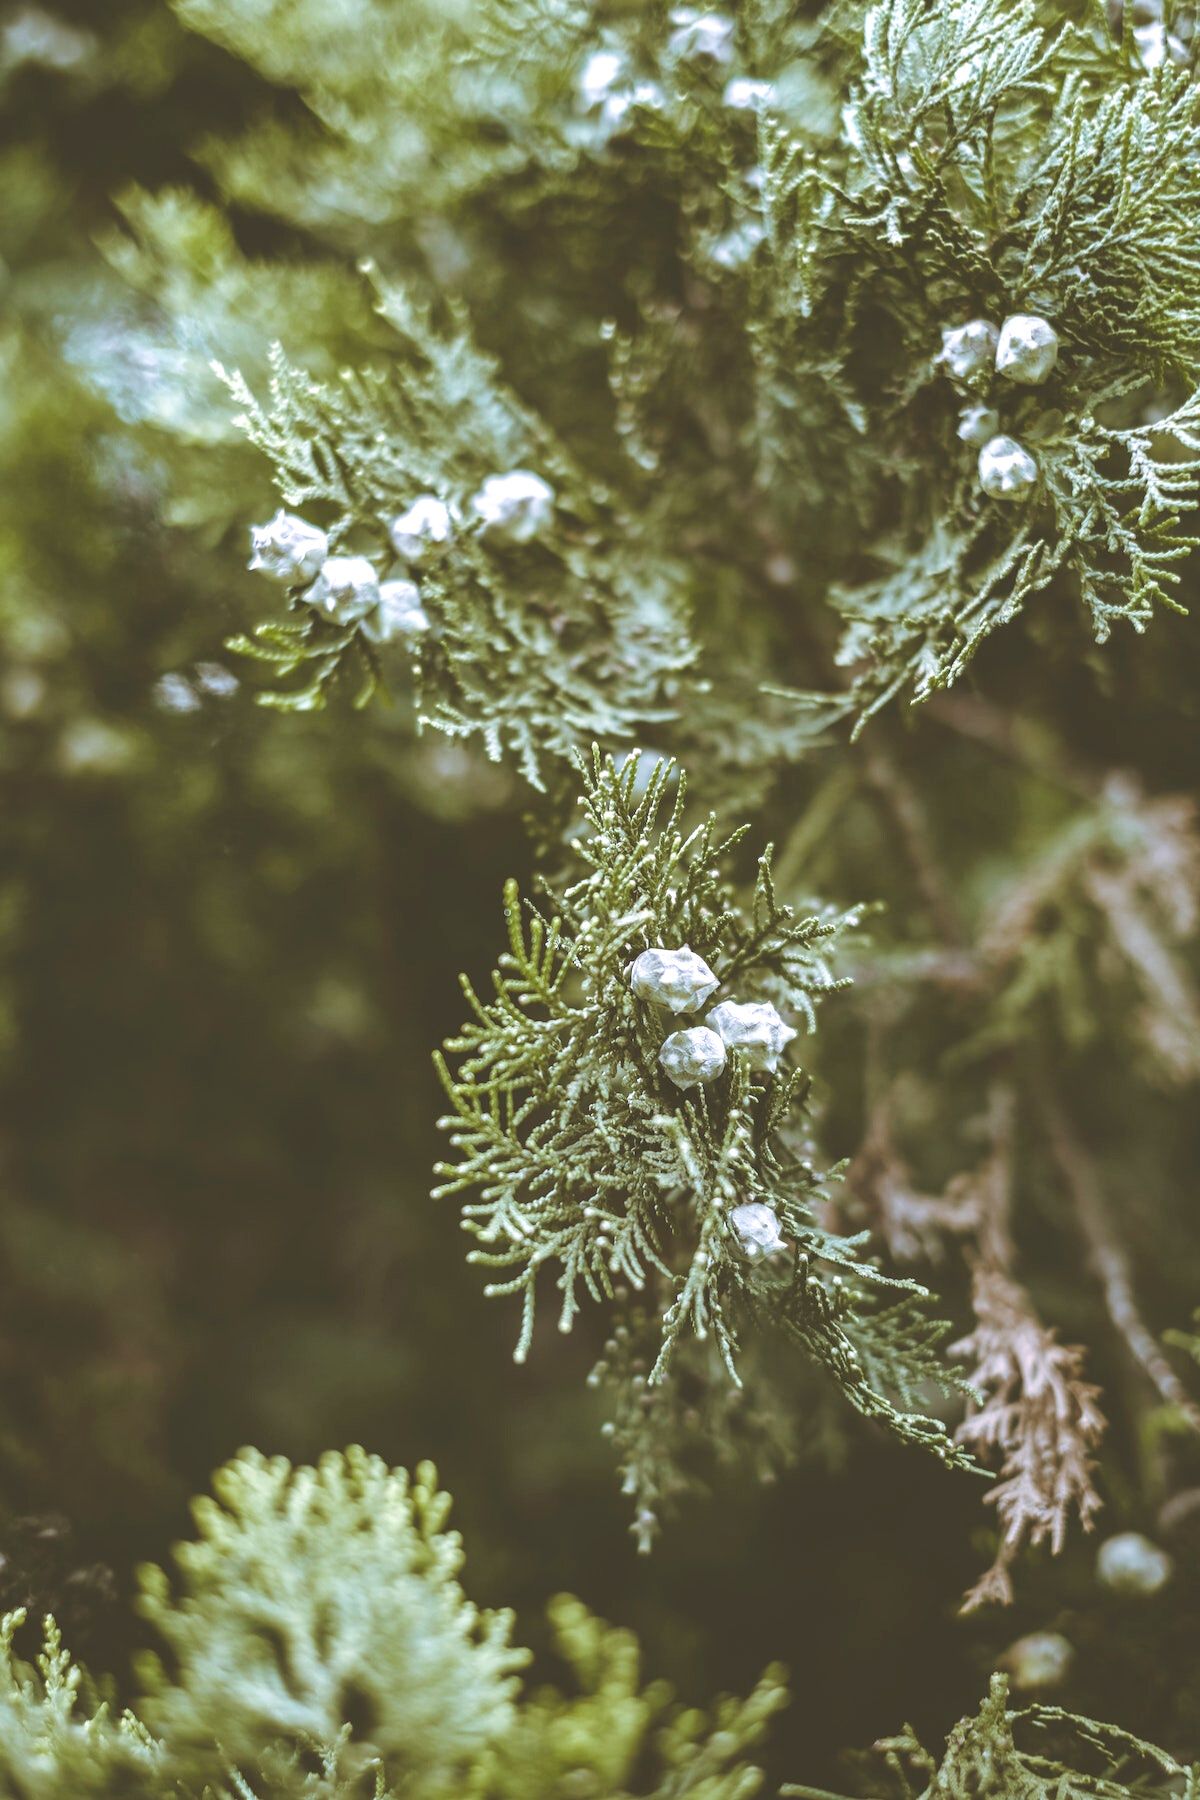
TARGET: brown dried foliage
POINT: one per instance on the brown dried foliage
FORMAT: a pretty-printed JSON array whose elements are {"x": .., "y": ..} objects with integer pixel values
[{"x": 1040, "y": 1420}]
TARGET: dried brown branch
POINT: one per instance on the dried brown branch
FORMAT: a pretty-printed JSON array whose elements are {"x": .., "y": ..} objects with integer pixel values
[
  {"x": 1040, "y": 1420},
  {"x": 1111, "y": 897}
]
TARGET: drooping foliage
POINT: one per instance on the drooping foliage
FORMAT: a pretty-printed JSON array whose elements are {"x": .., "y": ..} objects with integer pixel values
[{"x": 587, "y": 1155}]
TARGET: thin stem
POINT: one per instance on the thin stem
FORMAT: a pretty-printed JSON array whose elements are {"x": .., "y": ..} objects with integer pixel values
[
  {"x": 912, "y": 826},
  {"x": 1109, "y": 1262}
]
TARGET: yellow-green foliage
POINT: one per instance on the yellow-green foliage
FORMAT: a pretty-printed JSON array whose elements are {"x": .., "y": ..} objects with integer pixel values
[{"x": 317, "y": 1646}]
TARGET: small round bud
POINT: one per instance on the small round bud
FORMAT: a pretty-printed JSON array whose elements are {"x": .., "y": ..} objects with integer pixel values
[
  {"x": 757, "y": 1228},
  {"x": 969, "y": 350},
  {"x": 1039, "y": 1662},
  {"x": 427, "y": 523},
  {"x": 1130, "y": 1564},
  {"x": 976, "y": 424},
  {"x": 175, "y": 693},
  {"x": 399, "y": 613},
  {"x": 700, "y": 37},
  {"x": 288, "y": 549},
  {"x": 517, "y": 506},
  {"x": 692, "y": 1058},
  {"x": 346, "y": 590},
  {"x": 1028, "y": 349},
  {"x": 36, "y": 37},
  {"x": 755, "y": 1029},
  {"x": 744, "y": 94},
  {"x": 677, "y": 979},
  {"x": 602, "y": 74},
  {"x": 735, "y": 248},
  {"x": 213, "y": 678},
  {"x": 1006, "y": 469}
]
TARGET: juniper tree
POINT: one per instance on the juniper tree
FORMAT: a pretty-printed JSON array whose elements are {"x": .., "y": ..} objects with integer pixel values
[
  {"x": 914, "y": 386},
  {"x": 716, "y": 383}
]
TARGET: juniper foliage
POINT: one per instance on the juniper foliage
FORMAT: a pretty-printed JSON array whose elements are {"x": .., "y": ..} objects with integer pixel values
[
  {"x": 317, "y": 1644},
  {"x": 319, "y": 1608},
  {"x": 1035, "y": 1753},
  {"x": 535, "y": 648},
  {"x": 764, "y": 295},
  {"x": 55, "y": 1736},
  {"x": 587, "y": 1158},
  {"x": 993, "y": 164}
]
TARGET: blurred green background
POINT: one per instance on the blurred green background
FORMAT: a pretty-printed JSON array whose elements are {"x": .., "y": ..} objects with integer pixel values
[{"x": 229, "y": 939}]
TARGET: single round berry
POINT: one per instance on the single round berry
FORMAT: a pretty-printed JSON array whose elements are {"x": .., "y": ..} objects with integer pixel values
[
  {"x": 1006, "y": 469},
  {"x": 517, "y": 506},
  {"x": 346, "y": 589},
  {"x": 399, "y": 613},
  {"x": 977, "y": 425},
  {"x": 1130, "y": 1564},
  {"x": 755, "y": 1029},
  {"x": 288, "y": 549},
  {"x": 692, "y": 1058},
  {"x": 757, "y": 1229},
  {"x": 678, "y": 980},
  {"x": 969, "y": 350},
  {"x": 1027, "y": 350},
  {"x": 427, "y": 523}
]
